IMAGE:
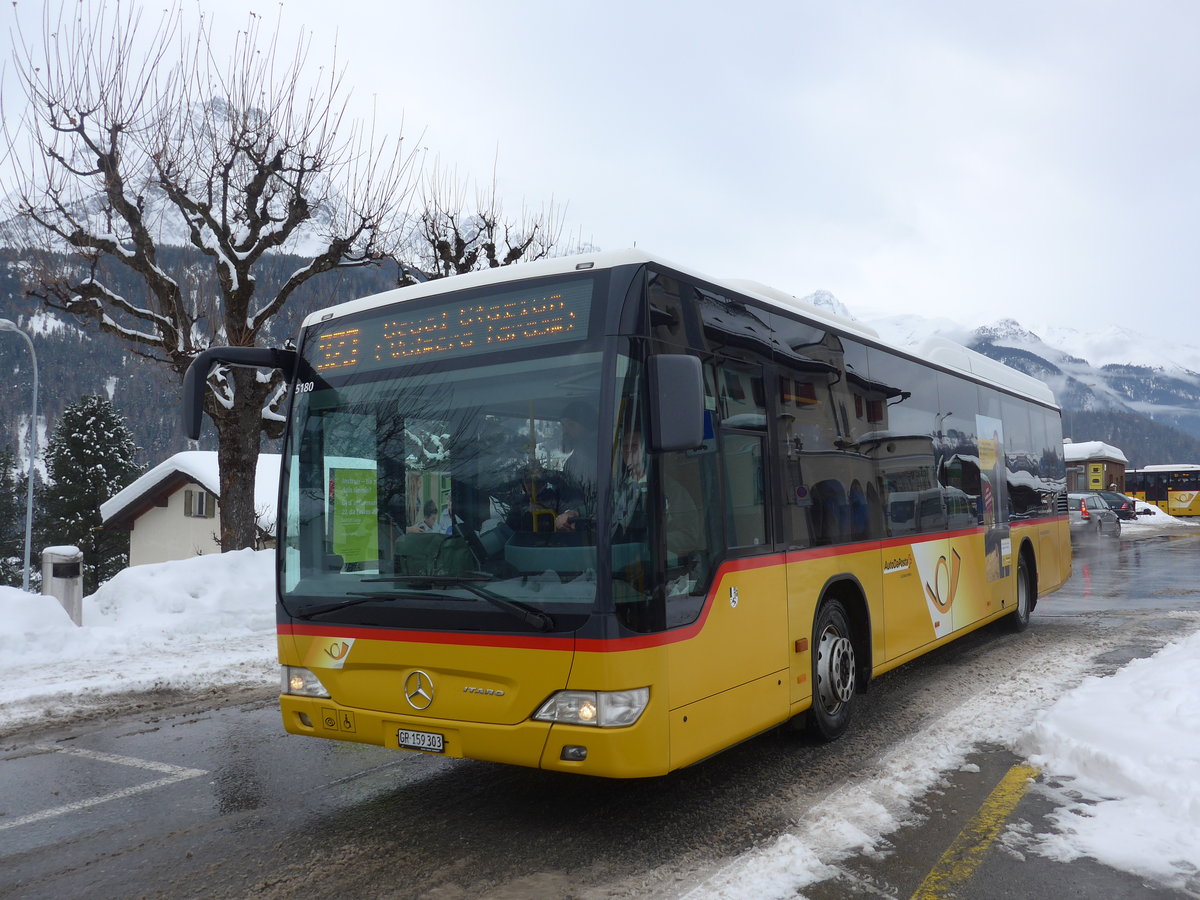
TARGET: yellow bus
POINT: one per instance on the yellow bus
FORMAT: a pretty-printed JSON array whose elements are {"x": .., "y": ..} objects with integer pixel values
[
  {"x": 1175, "y": 489},
  {"x": 606, "y": 515}
]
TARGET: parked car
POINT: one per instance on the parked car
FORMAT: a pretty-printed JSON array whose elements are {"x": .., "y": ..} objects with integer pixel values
[
  {"x": 1123, "y": 506},
  {"x": 1090, "y": 517}
]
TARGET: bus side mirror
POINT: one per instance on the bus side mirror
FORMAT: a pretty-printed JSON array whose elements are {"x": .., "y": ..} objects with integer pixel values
[
  {"x": 196, "y": 377},
  {"x": 676, "y": 385}
]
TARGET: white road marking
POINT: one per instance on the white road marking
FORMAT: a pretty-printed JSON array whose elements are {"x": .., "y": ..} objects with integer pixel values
[{"x": 174, "y": 774}]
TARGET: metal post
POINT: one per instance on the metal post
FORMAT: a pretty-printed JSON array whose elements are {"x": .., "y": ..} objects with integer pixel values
[{"x": 9, "y": 325}]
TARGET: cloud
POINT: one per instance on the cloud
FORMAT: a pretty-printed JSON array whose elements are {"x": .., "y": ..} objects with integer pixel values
[{"x": 1030, "y": 157}]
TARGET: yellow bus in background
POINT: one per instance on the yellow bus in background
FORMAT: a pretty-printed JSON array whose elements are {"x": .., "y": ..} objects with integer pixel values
[
  {"x": 607, "y": 515},
  {"x": 1175, "y": 489}
]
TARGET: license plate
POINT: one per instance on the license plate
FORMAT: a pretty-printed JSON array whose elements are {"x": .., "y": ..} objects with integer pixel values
[{"x": 421, "y": 740}]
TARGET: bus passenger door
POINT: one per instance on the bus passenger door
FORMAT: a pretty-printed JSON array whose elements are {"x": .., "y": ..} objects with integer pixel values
[
  {"x": 725, "y": 679},
  {"x": 738, "y": 641}
]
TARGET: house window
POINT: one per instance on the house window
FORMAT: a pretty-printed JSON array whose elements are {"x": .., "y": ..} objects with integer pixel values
[{"x": 199, "y": 504}]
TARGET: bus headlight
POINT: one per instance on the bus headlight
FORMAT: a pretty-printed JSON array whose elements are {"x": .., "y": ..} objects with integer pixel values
[
  {"x": 605, "y": 709},
  {"x": 302, "y": 682}
]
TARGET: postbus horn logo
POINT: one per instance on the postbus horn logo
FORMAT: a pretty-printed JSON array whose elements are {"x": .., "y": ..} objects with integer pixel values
[{"x": 945, "y": 577}]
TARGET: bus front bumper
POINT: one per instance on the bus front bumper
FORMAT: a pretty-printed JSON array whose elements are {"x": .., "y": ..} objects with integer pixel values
[{"x": 636, "y": 751}]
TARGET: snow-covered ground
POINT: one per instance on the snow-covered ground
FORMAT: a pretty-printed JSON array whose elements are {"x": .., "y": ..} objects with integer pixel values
[
  {"x": 198, "y": 623},
  {"x": 1129, "y": 743}
]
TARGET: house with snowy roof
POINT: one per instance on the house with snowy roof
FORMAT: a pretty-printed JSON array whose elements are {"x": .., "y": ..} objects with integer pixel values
[
  {"x": 172, "y": 511},
  {"x": 1094, "y": 466}
]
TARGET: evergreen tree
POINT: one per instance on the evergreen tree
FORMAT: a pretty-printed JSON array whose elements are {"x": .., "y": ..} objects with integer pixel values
[
  {"x": 89, "y": 458},
  {"x": 12, "y": 519}
]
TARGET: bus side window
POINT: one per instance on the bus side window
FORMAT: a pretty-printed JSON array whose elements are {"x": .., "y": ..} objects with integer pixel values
[
  {"x": 743, "y": 408},
  {"x": 830, "y": 513},
  {"x": 745, "y": 505}
]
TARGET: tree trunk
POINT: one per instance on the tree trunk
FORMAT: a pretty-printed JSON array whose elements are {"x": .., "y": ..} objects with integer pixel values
[{"x": 238, "y": 434}]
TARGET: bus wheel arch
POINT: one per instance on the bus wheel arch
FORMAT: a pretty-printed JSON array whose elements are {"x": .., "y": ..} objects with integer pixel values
[{"x": 840, "y": 657}]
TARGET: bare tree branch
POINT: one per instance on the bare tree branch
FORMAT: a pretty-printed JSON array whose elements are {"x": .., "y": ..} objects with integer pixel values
[
  {"x": 452, "y": 236},
  {"x": 137, "y": 135}
]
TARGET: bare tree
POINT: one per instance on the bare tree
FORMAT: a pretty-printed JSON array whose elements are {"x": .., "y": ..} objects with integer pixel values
[
  {"x": 452, "y": 235},
  {"x": 133, "y": 136}
]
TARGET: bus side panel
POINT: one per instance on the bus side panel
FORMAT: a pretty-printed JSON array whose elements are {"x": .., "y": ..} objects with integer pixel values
[
  {"x": 937, "y": 587},
  {"x": 985, "y": 581},
  {"x": 707, "y": 726},
  {"x": 1183, "y": 504},
  {"x": 917, "y": 595},
  {"x": 742, "y": 637},
  {"x": 726, "y": 681},
  {"x": 1053, "y": 540}
]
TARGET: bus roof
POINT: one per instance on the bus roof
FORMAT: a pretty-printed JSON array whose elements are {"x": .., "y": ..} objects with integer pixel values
[
  {"x": 938, "y": 350},
  {"x": 1168, "y": 467}
]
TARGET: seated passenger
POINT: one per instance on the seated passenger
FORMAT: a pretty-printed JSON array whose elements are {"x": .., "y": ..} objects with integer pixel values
[{"x": 428, "y": 521}]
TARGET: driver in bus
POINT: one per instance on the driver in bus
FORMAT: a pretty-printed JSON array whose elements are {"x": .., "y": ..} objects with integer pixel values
[
  {"x": 630, "y": 504},
  {"x": 629, "y": 508},
  {"x": 537, "y": 506}
]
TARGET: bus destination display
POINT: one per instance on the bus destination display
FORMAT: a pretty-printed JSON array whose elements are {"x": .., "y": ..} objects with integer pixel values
[{"x": 552, "y": 314}]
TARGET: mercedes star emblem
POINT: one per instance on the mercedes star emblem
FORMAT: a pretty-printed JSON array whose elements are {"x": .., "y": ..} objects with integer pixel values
[{"x": 418, "y": 689}]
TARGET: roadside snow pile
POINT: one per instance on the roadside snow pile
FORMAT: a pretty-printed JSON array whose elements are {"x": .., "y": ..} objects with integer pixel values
[
  {"x": 1127, "y": 744},
  {"x": 195, "y": 623},
  {"x": 1149, "y": 514}
]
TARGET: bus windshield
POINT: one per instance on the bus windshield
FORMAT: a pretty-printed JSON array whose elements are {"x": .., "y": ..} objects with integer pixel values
[{"x": 447, "y": 498}]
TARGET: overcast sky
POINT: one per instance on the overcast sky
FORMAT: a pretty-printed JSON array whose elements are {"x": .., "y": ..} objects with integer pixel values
[{"x": 1031, "y": 158}]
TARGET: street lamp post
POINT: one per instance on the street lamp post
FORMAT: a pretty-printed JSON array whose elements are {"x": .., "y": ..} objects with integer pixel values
[{"x": 9, "y": 325}]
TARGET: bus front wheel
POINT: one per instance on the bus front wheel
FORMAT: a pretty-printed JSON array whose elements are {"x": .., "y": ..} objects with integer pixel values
[{"x": 833, "y": 672}]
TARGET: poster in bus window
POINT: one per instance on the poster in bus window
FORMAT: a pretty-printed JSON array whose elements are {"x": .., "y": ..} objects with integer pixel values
[
  {"x": 993, "y": 484},
  {"x": 355, "y": 535}
]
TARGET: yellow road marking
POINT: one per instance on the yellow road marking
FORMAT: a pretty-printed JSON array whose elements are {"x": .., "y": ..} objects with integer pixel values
[{"x": 958, "y": 864}]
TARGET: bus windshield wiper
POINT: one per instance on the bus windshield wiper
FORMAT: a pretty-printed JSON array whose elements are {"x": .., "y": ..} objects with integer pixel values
[
  {"x": 356, "y": 598},
  {"x": 530, "y": 615}
]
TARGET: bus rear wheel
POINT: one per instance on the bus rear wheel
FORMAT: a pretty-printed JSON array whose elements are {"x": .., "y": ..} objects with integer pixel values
[
  {"x": 833, "y": 673},
  {"x": 1019, "y": 620}
]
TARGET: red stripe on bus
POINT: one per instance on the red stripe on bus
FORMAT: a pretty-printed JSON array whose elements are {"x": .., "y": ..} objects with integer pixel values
[{"x": 430, "y": 637}]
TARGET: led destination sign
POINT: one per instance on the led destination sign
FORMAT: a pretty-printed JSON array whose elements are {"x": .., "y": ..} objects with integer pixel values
[{"x": 536, "y": 316}]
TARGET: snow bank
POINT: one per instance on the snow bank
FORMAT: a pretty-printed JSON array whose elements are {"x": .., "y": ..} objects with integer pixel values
[
  {"x": 191, "y": 624},
  {"x": 1149, "y": 514},
  {"x": 1128, "y": 744}
]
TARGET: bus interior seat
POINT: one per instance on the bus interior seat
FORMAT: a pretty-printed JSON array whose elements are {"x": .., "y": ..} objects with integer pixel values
[
  {"x": 455, "y": 557},
  {"x": 434, "y": 554},
  {"x": 416, "y": 554}
]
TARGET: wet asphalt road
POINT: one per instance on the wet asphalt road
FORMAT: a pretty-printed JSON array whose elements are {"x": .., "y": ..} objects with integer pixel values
[{"x": 216, "y": 801}]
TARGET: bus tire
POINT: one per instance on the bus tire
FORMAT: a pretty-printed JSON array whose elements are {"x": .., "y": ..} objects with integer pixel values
[
  {"x": 834, "y": 673},
  {"x": 1019, "y": 620}
]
